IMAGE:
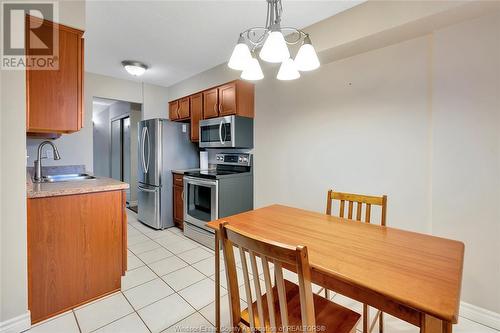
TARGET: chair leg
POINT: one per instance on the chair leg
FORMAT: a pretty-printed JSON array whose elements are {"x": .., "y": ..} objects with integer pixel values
[
  {"x": 365, "y": 318},
  {"x": 381, "y": 323}
]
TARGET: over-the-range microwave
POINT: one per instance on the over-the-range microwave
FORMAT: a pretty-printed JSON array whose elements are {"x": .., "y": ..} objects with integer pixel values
[{"x": 226, "y": 132}]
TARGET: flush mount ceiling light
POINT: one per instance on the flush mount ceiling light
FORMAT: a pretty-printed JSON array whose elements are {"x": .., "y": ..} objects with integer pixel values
[
  {"x": 135, "y": 68},
  {"x": 273, "y": 41}
]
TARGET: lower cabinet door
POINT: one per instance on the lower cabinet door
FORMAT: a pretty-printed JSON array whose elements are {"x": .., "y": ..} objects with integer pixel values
[
  {"x": 75, "y": 249},
  {"x": 179, "y": 206}
]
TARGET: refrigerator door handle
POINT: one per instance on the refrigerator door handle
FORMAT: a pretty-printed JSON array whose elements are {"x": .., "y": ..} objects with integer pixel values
[
  {"x": 142, "y": 149},
  {"x": 149, "y": 152},
  {"x": 140, "y": 188}
]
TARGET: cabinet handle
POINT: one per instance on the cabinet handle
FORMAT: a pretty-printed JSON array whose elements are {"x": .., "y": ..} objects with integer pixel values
[
  {"x": 182, "y": 195},
  {"x": 178, "y": 116},
  {"x": 220, "y": 107},
  {"x": 215, "y": 107}
]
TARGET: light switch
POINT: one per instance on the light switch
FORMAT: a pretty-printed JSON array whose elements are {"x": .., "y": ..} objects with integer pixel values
[{"x": 184, "y": 128}]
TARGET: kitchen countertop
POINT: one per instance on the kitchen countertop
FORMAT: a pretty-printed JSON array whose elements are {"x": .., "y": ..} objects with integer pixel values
[
  {"x": 183, "y": 171},
  {"x": 42, "y": 190}
]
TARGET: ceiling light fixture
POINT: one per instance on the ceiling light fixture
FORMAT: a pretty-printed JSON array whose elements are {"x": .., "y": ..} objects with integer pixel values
[
  {"x": 135, "y": 68},
  {"x": 273, "y": 41}
]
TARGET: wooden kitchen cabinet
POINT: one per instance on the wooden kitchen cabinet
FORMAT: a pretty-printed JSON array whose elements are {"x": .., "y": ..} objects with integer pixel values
[
  {"x": 54, "y": 98},
  {"x": 77, "y": 250},
  {"x": 227, "y": 99},
  {"x": 178, "y": 200},
  {"x": 196, "y": 105},
  {"x": 173, "y": 110},
  {"x": 232, "y": 98},
  {"x": 211, "y": 103},
  {"x": 184, "y": 110}
]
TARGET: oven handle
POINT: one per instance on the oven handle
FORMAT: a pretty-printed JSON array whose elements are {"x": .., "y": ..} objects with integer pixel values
[{"x": 197, "y": 181}]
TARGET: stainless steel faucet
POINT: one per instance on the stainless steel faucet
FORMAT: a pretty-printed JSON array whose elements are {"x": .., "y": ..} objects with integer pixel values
[{"x": 38, "y": 162}]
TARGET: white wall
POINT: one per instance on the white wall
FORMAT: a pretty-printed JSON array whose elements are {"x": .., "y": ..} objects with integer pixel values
[
  {"x": 466, "y": 150},
  {"x": 417, "y": 120},
  {"x": 76, "y": 148},
  {"x": 13, "y": 257}
]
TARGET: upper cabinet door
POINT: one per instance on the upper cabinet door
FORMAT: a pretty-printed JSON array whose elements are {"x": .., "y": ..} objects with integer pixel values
[
  {"x": 227, "y": 99},
  {"x": 210, "y": 103},
  {"x": 55, "y": 97},
  {"x": 184, "y": 108},
  {"x": 173, "y": 110},
  {"x": 196, "y": 103}
]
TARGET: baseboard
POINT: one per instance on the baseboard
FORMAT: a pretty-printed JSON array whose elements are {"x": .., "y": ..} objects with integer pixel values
[
  {"x": 480, "y": 315},
  {"x": 17, "y": 324}
]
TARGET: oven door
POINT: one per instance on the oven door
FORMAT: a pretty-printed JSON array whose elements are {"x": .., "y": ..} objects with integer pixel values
[
  {"x": 201, "y": 198},
  {"x": 217, "y": 132}
]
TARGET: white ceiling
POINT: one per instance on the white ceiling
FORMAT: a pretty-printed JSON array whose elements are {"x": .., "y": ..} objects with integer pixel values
[{"x": 179, "y": 39}]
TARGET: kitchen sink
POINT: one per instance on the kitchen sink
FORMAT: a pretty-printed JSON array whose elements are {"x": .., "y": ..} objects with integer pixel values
[{"x": 66, "y": 177}]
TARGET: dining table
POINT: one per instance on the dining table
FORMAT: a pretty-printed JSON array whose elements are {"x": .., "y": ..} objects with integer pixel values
[{"x": 413, "y": 276}]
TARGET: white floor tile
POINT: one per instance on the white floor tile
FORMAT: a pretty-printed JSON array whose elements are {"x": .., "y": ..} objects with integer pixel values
[
  {"x": 195, "y": 255},
  {"x": 165, "y": 313},
  {"x": 160, "y": 234},
  {"x": 209, "y": 312},
  {"x": 207, "y": 266},
  {"x": 131, "y": 231},
  {"x": 103, "y": 312},
  {"x": 136, "y": 277},
  {"x": 144, "y": 228},
  {"x": 468, "y": 326},
  {"x": 183, "y": 278},
  {"x": 154, "y": 255},
  {"x": 167, "y": 265},
  {"x": 194, "y": 323},
  {"x": 133, "y": 262},
  {"x": 128, "y": 324},
  {"x": 142, "y": 247},
  {"x": 62, "y": 324},
  {"x": 201, "y": 293},
  {"x": 181, "y": 246},
  {"x": 148, "y": 293},
  {"x": 175, "y": 230},
  {"x": 168, "y": 238},
  {"x": 136, "y": 239}
]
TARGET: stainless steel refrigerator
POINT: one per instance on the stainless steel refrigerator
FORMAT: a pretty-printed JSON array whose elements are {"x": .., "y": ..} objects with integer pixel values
[{"x": 163, "y": 146}]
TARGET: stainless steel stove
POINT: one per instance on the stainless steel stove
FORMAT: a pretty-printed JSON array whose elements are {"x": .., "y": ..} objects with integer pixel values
[{"x": 213, "y": 194}]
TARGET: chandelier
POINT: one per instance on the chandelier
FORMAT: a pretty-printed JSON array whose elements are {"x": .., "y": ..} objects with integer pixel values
[{"x": 273, "y": 41}]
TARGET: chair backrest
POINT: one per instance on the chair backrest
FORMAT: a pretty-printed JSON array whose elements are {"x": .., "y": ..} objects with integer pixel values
[
  {"x": 359, "y": 199},
  {"x": 269, "y": 252}
]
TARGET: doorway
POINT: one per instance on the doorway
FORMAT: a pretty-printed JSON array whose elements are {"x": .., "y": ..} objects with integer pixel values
[{"x": 115, "y": 142}]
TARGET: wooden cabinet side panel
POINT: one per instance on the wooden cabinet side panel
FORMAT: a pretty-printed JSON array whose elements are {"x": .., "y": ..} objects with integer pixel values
[
  {"x": 245, "y": 99},
  {"x": 75, "y": 249},
  {"x": 196, "y": 102}
]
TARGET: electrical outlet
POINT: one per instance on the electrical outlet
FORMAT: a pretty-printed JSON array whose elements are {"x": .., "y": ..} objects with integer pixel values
[
  {"x": 49, "y": 154},
  {"x": 184, "y": 128}
]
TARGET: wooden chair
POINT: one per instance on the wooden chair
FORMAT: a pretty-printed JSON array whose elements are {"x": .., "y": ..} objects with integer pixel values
[
  {"x": 368, "y": 201},
  {"x": 284, "y": 306}
]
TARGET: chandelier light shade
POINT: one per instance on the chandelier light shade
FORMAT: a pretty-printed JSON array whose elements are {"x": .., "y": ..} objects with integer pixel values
[
  {"x": 241, "y": 55},
  {"x": 306, "y": 59},
  {"x": 273, "y": 41},
  {"x": 274, "y": 49},
  {"x": 135, "y": 68},
  {"x": 288, "y": 71},
  {"x": 252, "y": 71}
]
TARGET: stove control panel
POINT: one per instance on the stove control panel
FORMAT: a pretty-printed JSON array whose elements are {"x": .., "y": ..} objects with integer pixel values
[{"x": 234, "y": 159}]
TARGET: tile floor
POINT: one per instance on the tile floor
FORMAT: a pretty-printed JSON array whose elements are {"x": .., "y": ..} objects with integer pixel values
[{"x": 169, "y": 286}]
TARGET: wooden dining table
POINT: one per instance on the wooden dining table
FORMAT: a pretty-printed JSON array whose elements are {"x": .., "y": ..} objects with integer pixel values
[{"x": 412, "y": 276}]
